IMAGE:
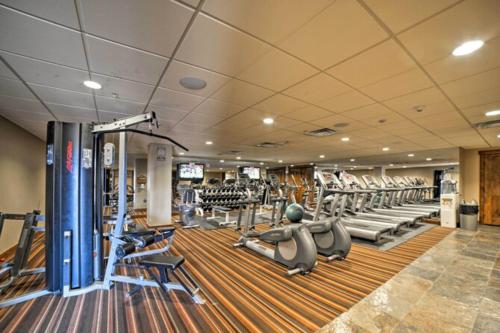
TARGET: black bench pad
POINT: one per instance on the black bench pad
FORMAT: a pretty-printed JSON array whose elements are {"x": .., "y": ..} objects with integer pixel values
[{"x": 159, "y": 260}]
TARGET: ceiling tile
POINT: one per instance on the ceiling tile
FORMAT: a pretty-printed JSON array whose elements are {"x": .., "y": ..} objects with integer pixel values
[
  {"x": 17, "y": 115},
  {"x": 5, "y": 72},
  {"x": 462, "y": 91},
  {"x": 23, "y": 34},
  {"x": 478, "y": 98},
  {"x": 437, "y": 37},
  {"x": 444, "y": 119},
  {"x": 73, "y": 113},
  {"x": 45, "y": 73},
  {"x": 452, "y": 68},
  {"x": 217, "y": 108},
  {"x": 63, "y": 12},
  {"x": 130, "y": 90},
  {"x": 119, "y": 106},
  {"x": 419, "y": 98},
  {"x": 213, "y": 45},
  {"x": 65, "y": 97},
  {"x": 14, "y": 88},
  {"x": 401, "y": 84},
  {"x": 241, "y": 93},
  {"x": 159, "y": 33},
  {"x": 380, "y": 62},
  {"x": 178, "y": 70},
  {"x": 388, "y": 118},
  {"x": 279, "y": 104},
  {"x": 309, "y": 113},
  {"x": 476, "y": 114},
  {"x": 259, "y": 17},
  {"x": 124, "y": 62},
  {"x": 26, "y": 105},
  {"x": 333, "y": 25},
  {"x": 175, "y": 99},
  {"x": 318, "y": 88},
  {"x": 346, "y": 101},
  {"x": 201, "y": 119},
  {"x": 399, "y": 15},
  {"x": 167, "y": 114},
  {"x": 111, "y": 116},
  {"x": 277, "y": 70}
]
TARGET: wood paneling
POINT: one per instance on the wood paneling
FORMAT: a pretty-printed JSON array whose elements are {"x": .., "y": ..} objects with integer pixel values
[{"x": 490, "y": 187}]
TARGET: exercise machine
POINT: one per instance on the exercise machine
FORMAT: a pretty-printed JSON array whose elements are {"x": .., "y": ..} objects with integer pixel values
[{"x": 291, "y": 245}]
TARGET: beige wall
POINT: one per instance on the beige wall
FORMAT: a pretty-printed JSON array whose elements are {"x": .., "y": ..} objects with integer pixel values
[
  {"x": 469, "y": 174},
  {"x": 22, "y": 177}
]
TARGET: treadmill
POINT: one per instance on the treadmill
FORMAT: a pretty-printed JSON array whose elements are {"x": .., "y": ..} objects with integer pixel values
[
  {"x": 360, "y": 228},
  {"x": 395, "y": 197},
  {"x": 381, "y": 207},
  {"x": 417, "y": 196},
  {"x": 404, "y": 200},
  {"x": 401, "y": 220}
]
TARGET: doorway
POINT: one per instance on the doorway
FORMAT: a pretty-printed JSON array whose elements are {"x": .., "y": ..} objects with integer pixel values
[
  {"x": 490, "y": 187},
  {"x": 438, "y": 176}
]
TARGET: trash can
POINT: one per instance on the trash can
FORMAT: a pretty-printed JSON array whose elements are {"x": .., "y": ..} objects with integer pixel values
[{"x": 468, "y": 215}]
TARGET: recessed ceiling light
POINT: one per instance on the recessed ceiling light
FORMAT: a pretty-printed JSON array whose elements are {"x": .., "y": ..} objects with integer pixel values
[
  {"x": 193, "y": 83},
  {"x": 291, "y": 165},
  {"x": 498, "y": 136},
  {"x": 261, "y": 163},
  {"x": 267, "y": 168},
  {"x": 268, "y": 121},
  {"x": 428, "y": 159},
  {"x": 321, "y": 156},
  {"x": 404, "y": 166},
  {"x": 92, "y": 84},
  {"x": 391, "y": 164},
  {"x": 280, "y": 161},
  {"x": 209, "y": 143},
  {"x": 355, "y": 166},
  {"x": 220, "y": 168},
  {"x": 222, "y": 161},
  {"x": 238, "y": 157},
  {"x": 468, "y": 48},
  {"x": 352, "y": 160},
  {"x": 313, "y": 163},
  {"x": 411, "y": 155},
  {"x": 345, "y": 139},
  {"x": 492, "y": 113},
  {"x": 385, "y": 149},
  {"x": 335, "y": 165},
  {"x": 237, "y": 166},
  {"x": 181, "y": 153}
]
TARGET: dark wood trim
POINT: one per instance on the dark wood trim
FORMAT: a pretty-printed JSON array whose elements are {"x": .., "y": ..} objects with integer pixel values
[{"x": 482, "y": 180}]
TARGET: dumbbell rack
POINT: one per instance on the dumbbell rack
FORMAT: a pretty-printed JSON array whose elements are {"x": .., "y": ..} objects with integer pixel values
[{"x": 225, "y": 196}]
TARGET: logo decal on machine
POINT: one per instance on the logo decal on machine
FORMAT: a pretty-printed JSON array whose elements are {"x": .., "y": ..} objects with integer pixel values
[{"x": 69, "y": 156}]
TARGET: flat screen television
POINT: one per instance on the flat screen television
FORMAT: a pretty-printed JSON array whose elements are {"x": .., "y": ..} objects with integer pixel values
[
  {"x": 187, "y": 171},
  {"x": 252, "y": 172}
]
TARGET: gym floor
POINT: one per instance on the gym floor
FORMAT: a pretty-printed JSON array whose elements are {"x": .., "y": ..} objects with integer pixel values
[{"x": 244, "y": 292}]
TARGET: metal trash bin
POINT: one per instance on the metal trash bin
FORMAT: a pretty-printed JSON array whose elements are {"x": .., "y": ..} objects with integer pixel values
[{"x": 468, "y": 215}]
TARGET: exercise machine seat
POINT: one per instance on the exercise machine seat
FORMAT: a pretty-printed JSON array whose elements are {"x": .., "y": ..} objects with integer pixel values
[
  {"x": 158, "y": 260},
  {"x": 319, "y": 227},
  {"x": 276, "y": 235}
]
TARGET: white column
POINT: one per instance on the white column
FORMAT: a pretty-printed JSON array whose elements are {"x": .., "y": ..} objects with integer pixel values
[
  {"x": 140, "y": 187},
  {"x": 159, "y": 184},
  {"x": 379, "y": 171}
]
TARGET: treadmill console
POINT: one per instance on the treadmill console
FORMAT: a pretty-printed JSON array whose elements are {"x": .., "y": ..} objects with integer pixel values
[{"x": 328, "y": 180}]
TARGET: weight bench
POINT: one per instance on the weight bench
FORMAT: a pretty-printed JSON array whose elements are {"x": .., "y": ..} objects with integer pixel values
[
  {"x": 224, "y": 210},
  {"x": 167, "y": 265}
]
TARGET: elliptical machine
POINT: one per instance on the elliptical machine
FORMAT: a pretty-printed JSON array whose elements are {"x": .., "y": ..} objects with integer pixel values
[{"x": 293, "y": 244}]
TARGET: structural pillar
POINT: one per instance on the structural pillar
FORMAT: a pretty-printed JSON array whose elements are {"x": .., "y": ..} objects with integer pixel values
[
  {"x": 159, "y": 184},
  {"x": 379, "y": 171},
  {"x": 140, "y": 183}
]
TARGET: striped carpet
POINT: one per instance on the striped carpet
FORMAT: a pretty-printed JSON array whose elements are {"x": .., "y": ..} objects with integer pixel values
[{"x": 244, "y": 291}]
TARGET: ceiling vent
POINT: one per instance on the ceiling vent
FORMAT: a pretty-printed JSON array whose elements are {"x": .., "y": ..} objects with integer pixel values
[
  {"x": 271, "y": 144},
  {"x": 488, "y": 124},
  {"x": 231, "y": 152},
  {"x": 321, "y": 132}
]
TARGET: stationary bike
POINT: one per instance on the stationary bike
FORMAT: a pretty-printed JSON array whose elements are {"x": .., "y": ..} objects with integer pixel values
[
  {"x": 293, "y": 245},
  {"x": 330, "y": 236}
]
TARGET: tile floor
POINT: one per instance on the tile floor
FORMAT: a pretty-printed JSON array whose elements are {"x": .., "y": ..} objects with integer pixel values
[{"x": 453, "y": 287}]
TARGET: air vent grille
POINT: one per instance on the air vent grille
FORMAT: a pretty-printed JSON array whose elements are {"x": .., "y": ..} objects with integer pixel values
[
  {"x": 271, "y": 144},
  {"x": 321, "y": 132}
]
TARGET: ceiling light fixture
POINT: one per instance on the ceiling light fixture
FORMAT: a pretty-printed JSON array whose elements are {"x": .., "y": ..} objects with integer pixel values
[
  {"x": 498, "y": 136},
  {"x": 280, "y": 161},
  {"x": 468, "y": 48},
  {"x": 404, "y": 166},
  {"x": 411, "y": 155},
  {"x": 345, "y": 139},
  {"x": 268, "y": 121},
  {"x": 261, "y": 163},
  {"x": 428, "y": 159},
  {"x": 352, "y": 160},
  {"x": 192, "y": 83},
  {"x": 92, "y": 84},
  {"x": 321, "y": 156},
  {"x": 181, "y": 153},
  {"x": 391, "y": 164},
  {"x": 291, "y": 165},
  {"x": 209, "y": 143},
  {"x": 220, "y": 168},
  {"x": 385, "y": 149},
  {"x": 222, "y": 161},
  {"x": 237, "y": 166},
  {"x": 313, "y": 163},
  {"x": 238, "y": 157},
  {"x": 492, "y": 113}
]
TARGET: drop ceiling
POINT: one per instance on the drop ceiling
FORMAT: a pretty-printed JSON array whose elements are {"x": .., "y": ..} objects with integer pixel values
[{"x": 307, "y": 64}]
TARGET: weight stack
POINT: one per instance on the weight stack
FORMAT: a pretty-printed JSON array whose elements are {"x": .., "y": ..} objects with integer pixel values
[{"x": 69, "y": 209}]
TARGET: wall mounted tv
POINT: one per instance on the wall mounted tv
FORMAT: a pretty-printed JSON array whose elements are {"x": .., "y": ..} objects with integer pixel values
[
  {"x": 186, "y": 171},
  {"x": 252, "y": 172}
]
